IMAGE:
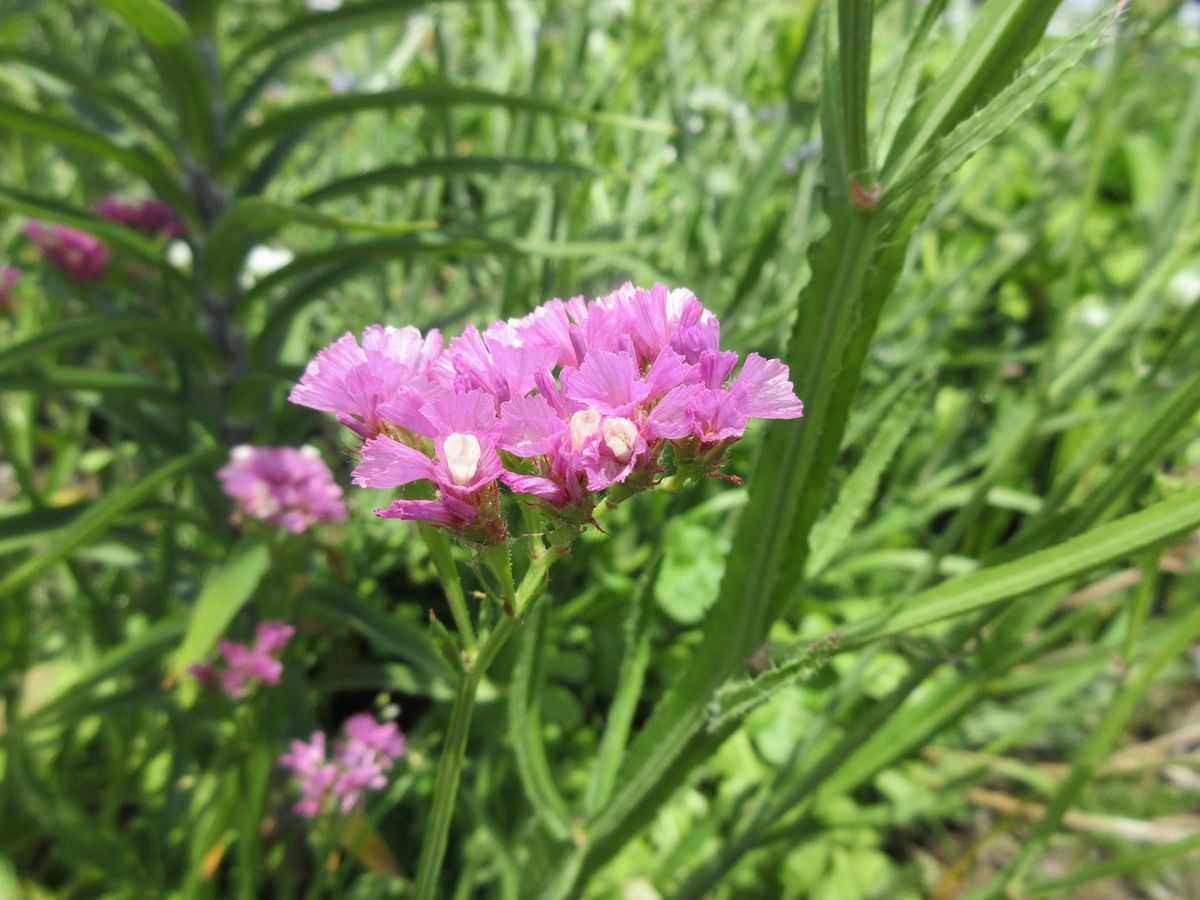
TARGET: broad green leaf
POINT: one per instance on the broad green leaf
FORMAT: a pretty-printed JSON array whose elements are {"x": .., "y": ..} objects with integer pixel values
[
  {"x": 226, "y": 590},
  {"x": 279, "y": 124},
  {"x": 250, "y": 220},
  {"x": 391, "y": 176},
  {"x": 96, "y": 520},
  {"x": 1102, "y": 545}
]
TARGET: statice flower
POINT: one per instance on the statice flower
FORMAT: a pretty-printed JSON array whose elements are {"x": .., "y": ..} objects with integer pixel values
[
  {"x": 572, "y": 404},
  {"x": 9, "y": 276},
  {"x": 289, "y": 487},
  {"x": 353, "y": 380},
  {"x": 359, "y": 762},
  {"x": 152, "y": 217},
  {"x": 240, "y": 667},
  {"x": 80, "y": 256}
]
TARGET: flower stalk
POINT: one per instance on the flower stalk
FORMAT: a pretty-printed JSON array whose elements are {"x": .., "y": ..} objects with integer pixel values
[{"x": 522, "y": 600}]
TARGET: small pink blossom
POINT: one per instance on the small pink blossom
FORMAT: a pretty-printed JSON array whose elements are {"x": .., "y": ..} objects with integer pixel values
[
  {"x": 80, "y": 256},
  {"x": 360, "y": 760},
  {"x": 242, "y": 667},
  {"x": 354, "y": 381},
  {"x": 289, "y": 487},
  {"x": 152, "y": 217}
]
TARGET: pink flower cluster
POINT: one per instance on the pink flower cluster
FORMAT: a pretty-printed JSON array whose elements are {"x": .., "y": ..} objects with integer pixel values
[
  {"x": 84, "y": 257},
  {"x": 80, "y": 256},
  {"x": 570, "y": 400},
  {"x": 360, "y": 758},
  {"x": 289, "y": 487},
  {"x": 150, "y": 216},
  {"x": 244, "y": 666}
]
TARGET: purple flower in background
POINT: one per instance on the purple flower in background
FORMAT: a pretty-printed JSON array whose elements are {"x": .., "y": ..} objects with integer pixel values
[
  {"x": 152, "y": 217},
  {"x": 9, "y": 276},
  {"x": 360, "y": 760},
  {"x": 82, "y": 257},
  {"x": 289, "y": 487},
  {"x": 242, "y": 666}
]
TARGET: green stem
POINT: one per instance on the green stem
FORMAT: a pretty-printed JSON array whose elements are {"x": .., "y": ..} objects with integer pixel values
[
  {"x": 443, "y": 560},
  {"x": 449, "y": 773}
]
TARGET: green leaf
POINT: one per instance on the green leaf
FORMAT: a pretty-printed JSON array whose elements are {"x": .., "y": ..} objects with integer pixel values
[
  {"x": 525, "y": 731},
  {"x": 433, "y": 242},
  {"x": 178, "y": 62},
  {"x": 130, "y": 654},
  {"x": 226, "y": 589},
  {"x": 829, "y": 536},
  {"x": 1003, "y": 34},
  {"x": 86, "y": 332},
  {"x": 391, "y": 633},
  {"x": 391, "y": 176},
  {"x": 97, "y": 519},
  {"x": 250, "y": 220},
  {"x": 1097, "y": 547},
  {"x": 137, "y": 162},
  {"x": 630, "y": 681},
  {"x": 946, "y": 154},
  {"x": 737, "y": 699},
  {"x": 83, "y": 81},
  {"x": 279, "y": 124}
]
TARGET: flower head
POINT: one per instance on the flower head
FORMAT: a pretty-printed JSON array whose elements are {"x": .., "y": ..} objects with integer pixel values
[
  {"x": 360, "y": 760},
  {"x": 355, "y": 381},
  {"x": 152, "y": 217},
  {"x": 241, "y": 666},
  {"x": 559, "y": 405},
  {"x": 80, "y": 256},
  {"x": 289, "y": 487}
]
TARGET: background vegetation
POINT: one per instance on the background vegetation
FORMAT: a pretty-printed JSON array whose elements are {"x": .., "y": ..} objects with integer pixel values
[{"x": 942, "y": 642}]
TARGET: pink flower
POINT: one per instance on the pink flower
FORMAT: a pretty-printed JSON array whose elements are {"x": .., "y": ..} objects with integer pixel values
[
  {"x": 579, "y": 396},
  {"x": 465, "y": 468},
  {"x": 9, "y": 276},
  {"x": 82, "y": 257},
  {"x": 153, "y": 217},
  {"x": 360, "y": 759},
  {"x": 354, "y": 381},
  {"x": 289, "y": 487},
  {"x": 245, "y": 666}
]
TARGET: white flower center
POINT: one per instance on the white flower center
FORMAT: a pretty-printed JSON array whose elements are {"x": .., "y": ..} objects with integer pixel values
[
  {"x": 620, "y": 435},
  {"x": 583, "y": 425},
  {"x": 462, "y": 454}
]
